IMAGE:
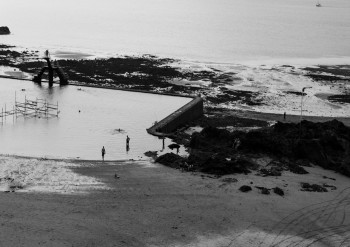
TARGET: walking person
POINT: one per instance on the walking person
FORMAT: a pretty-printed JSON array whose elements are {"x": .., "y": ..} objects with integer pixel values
[
  {"x": 284, "y": 116},
  {"x": 103, "y": 151}
]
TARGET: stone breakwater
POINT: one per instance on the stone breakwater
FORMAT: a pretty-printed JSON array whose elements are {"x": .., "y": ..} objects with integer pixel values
[{"x": 185, "y": 114}]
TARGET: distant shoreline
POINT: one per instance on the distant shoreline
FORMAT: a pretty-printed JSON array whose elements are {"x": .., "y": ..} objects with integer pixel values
[{"x": 265, "y": 89}]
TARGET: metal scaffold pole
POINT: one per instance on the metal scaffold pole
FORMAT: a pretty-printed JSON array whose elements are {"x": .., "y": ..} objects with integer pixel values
[
  {"x": 15, "y": 104},
  {"x": 25, "y": 105},
  {"x": 30, "y": 108}
]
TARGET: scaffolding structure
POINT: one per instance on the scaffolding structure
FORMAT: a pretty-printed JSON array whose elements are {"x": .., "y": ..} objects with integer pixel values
[{"x": 39, "y": 108}]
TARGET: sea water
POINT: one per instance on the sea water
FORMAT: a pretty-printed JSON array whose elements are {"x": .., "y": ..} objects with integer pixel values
[
  {"x": 221, "y": 31},
  {"x": 89, "y": 118}
]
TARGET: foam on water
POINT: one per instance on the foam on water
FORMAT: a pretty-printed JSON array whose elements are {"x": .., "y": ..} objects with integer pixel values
[{"x": 32, "y": 175}]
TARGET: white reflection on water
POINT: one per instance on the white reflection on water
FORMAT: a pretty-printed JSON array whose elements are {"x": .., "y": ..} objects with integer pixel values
[
  {"x": 74, "y": 134},
  {"x": 230, "y": 31}
]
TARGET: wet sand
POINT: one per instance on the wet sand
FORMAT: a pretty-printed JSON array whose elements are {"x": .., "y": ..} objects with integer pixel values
[{"x": 152, "y": 205}]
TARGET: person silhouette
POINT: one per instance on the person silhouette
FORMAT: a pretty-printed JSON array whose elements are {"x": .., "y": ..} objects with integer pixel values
[
  {"x": 103, "y": 151},
  {"x": 127, "y": 140}
]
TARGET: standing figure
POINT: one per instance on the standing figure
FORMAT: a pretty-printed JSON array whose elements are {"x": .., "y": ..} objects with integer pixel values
[
  {"x": 103, "y": 153},
  {"x": 47, "y": 54},
  {"x": 127, "y": 140},
  {"x": 284, "y": 116}
]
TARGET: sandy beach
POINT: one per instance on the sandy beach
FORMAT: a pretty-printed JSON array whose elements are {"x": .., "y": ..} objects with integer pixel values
[
  {"x": 152, "y": 205},
  {"x": 259, "y": 70}
]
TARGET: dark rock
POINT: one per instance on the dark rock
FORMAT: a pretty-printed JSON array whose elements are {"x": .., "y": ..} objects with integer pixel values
[
  {"x": 278, "y": 191},
  {"x": 342, "y": 98},
  {"x": 318, "y": 77},
  {"x": 245, "y": 97},
  {"x": 152, "y": 154},
  {"x": 313, "y": 187},
  {"x": 171, "y": 160},
  {"x": 340, "y": 70},
  {"x": 270, "y": 172},
  {"x": 297, "y": 169},
  {"x": 325, "y": 144},
  {"x": 16, "y": 187},
  {"x": 332, "y": 187},
  {"x": 211, "y": 137},
  {"x": 245, "y": 188},
  {"x": 197, "y": 157},
  {"x": 263, "y": 190},
  {"x": 4, "y": 30}
]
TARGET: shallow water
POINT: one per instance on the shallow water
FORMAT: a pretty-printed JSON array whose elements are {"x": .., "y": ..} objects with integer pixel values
[
  {"x": 83, "y": 134},
  {"x": 225, "y": 31}
]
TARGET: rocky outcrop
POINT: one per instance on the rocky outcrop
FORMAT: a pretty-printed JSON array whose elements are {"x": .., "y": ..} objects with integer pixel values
[
  {"x": 171, "y": 160},
  {"x": 325, "y": 144},
  {"x": 4, "y": 30},
  {"x": 313, "y": 187},
  {"x": 292, "y": 146}
]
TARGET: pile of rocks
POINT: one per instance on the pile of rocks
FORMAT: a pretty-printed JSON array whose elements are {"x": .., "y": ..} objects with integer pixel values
[{"x": 4, "y": 30}]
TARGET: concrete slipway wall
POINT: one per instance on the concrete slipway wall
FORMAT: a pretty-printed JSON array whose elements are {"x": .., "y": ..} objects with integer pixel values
[{"x": 188, "y": 112}]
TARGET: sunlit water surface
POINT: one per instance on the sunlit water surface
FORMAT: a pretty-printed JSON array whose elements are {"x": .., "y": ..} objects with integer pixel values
[
  {"x": 82, "y": 134},
  {"x": 224, "y": 31}
]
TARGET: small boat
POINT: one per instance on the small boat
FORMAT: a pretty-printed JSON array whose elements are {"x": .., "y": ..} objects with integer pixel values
[{"x": 318, "y": 4}]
